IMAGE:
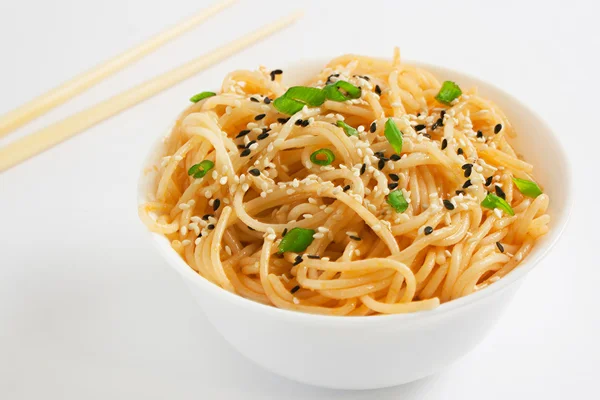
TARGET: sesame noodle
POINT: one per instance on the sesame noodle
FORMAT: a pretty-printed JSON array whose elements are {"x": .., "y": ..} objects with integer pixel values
[{"x": 364, "y": 257}]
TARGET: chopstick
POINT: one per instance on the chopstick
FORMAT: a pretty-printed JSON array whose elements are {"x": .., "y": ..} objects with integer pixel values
[
  {"x": 45, "y": 138},
  {"x": 57, "y": 96}
]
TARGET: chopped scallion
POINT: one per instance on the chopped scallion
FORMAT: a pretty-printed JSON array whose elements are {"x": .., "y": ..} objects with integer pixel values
[
  {"x": 492, "y": 201},
  {"x": 296, "y": 240},
  {"x": 201, "y": 169},
  {"x": 287, "y": 106},
  {"x": 397, "y": 201},
  {"x": 393, "y": 135},
  {"x": 322, "y": 157},
  {"x": 350, "y": 131},
  {"x": 448, "y": 92},
  {"x": 342, "y": 91},
  {"x": 528, "y": 188},
  {"x": 201, "y": 96}
]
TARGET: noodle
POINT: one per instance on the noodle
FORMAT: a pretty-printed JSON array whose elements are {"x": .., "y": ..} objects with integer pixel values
[{"x": 363, "y": 255}]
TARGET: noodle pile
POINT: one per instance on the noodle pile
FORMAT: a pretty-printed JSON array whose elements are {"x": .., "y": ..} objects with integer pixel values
[{"x": 365, "y": 257}]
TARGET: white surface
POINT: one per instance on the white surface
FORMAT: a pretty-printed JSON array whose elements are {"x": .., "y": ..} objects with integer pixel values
[
  {"x": 89, "y": 310},
  {"x": 364, "y": 352}
]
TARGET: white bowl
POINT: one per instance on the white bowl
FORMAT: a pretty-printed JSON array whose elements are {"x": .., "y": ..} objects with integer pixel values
[{"x": 386, "y": 350}]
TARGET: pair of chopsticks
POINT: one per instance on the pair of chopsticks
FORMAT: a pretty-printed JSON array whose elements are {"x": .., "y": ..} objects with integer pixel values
[{"x": 22, "y": 149}]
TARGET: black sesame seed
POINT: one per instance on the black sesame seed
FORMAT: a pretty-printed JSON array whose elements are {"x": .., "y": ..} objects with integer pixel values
[
  {"x": 500, "y": 193},
  {"x": 295, "y": 289},
  {"x": 346, "y": 188},
  {"x": 444, "y": 143},
  {"x": 467, "y": 166},
  {"x": 243, "y": 133},
  {"x": 394, "y": 177},
  {"x": 259, "y": 117},
  {"x": 428, "y": 230},
  {"x": 305, "y": 123},
  {"x": 298, "y": 258},
  {"x": 378, "y": 90},
  {"x": 479, "y": 134},
  {"x": 298, "y": 122},
  {"x": 296, "y": 262},
  {"x": 216, "y": 204},
  {"x": 392, "y": 185},
  {"x": 500, "y": 247},
  {"x": 380, "y": 164},
  {"x": 373, "y": 127},
  {"x": 332, "y": 76},
  {"x": 284, "y": 232},
  {"x": 363, "y": 169},
  {"x": 245, "y": 153},
  {"x": 459, "y": 192},
  {"x": 468, "y": 172},
  {"x": 250, "y": 143},
  {"x": 442, "y": 114},
  {"x": 498, "y": 128},
  {"x": 489, "y": 180},
  {"x": 434, "y": 126},
  {"x": 448, "y": 204},
  {"x": 379, "y": 154},
  {"x": 440, "y": 121},
  {"x": 467, "y": 184},
  {"x": 207, "y": 216},
  {"x": 419, "y": 127},
  {"x": 459, "y": 151},
  {"x": 355, "y": 238},
  {"x": 313, "y": 256},
  {"x": 262, "y": 136},
  {"x": 200, "y": 235},
  {"x": 241, "y": 146},
  {"x": 254, "y": 172},
  {"x": 275, "y": 72},
  {"x": 395, "y": 157},
  {"x": 267, "y": 100},
  {"x": 254, "y": 99},
  {"x": 427, "y": 135},
  {"x": 282, "y": 120},
  {"x": 211, "y": 226}
]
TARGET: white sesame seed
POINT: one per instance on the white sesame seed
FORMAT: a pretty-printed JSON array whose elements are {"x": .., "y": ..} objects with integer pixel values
[
  {"x": 186, "y": 242},
  {"x": 184, "y": 206},
  {"x": 245, "y": 187},
  {"x": 322, "y": 229},
  {"x": 307, "y": 216},
  {"x": 183, "y": 230},
  {"x": 318, "y": 236},
  {"x": 223, "y": 180}
]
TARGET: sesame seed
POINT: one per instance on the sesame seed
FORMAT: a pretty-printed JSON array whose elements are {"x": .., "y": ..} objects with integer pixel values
[
  {"x": 381, "y": 164},
  {"x": 211, "y": 226},
  {"x": 419, "y": 127},
  {"x": 274, "y": 73},
  {"x": 479, "y": 134},
  {"x": 468, "y": 172},
  {"x": 295, "y": 289},
  {"x": 467, "y": 184},
  {"x": 393, "y": 185},
  {"x": 259, "y": 117},
  {"x": 346, "y": 188},
  {"x": 500, "y": 247},
  {"x": 497, "y": 128},
  {"x": 459, "y": 192},
  {"x": 216, "y": 204},
  {"x": 313, "y": 257},
  {"x": 205, "y": 217},
  {"x": 284, "y": 232},
  {"x": 378, "y": 90},
  {"x": 282, "y": 120},
  {"x": 254, "y": 99},
  {"x": 305, "y": 123},
  {"x": 489, "y": 180},
  {"x": 318, "y": 236},
  {"x": 500, "y": 193},
  {"x": 262, "y": 136},
  {"x": 467, "y": 166},
  {"x": 267, "y": 100},
  {"x": 354, "y": 238},
  {"x": 444, "y": 143},
  {"x": 245, "y": 153},
  {"x": 428, "y": 230},
  {"x": 243, "y": 133},
  {"x": 363, "y": 169},
  {"x": 394, "y": 177},
  {"x": 250, "y": 143},
  {"x": 460, "y": 151},
  {"x": 254, "y": 172},
  {"x": 448, "y": 204},
  {"x": 395, "y": 157},
  {"x": 373, "y": 127}
]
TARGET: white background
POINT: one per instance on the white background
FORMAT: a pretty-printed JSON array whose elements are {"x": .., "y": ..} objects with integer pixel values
[{"x": 88, "y": 310}]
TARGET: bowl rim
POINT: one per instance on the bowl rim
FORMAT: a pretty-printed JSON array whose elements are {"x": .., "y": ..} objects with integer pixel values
[{"x": 559, "y": 226}]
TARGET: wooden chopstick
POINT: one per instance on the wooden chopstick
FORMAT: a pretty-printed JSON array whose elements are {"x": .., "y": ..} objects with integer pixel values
[
  {"x": 45, "y": 138},
  {"x": 57, "y": 96}
]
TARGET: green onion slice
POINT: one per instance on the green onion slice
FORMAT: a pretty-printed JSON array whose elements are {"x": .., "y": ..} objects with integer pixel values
[
  {"x": 201, "y": 169},
  {"x": 448, "y": 92},
  {"x": 201, "y": 96},
  {"x": 322, "y": 157},
  {"x": 296, "y": 240},
  {"x": 528, "y": 188},
  {"x": 287, "y": 106},
  {"x": 492, "y": 201},
  {"x": 350, "y": 131},
  {"x": 393, "y": 135},
  {"x": 397, "y": 201},
  {"x": 342, "y": 91},
  {"x": 311, "y": 96}
]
